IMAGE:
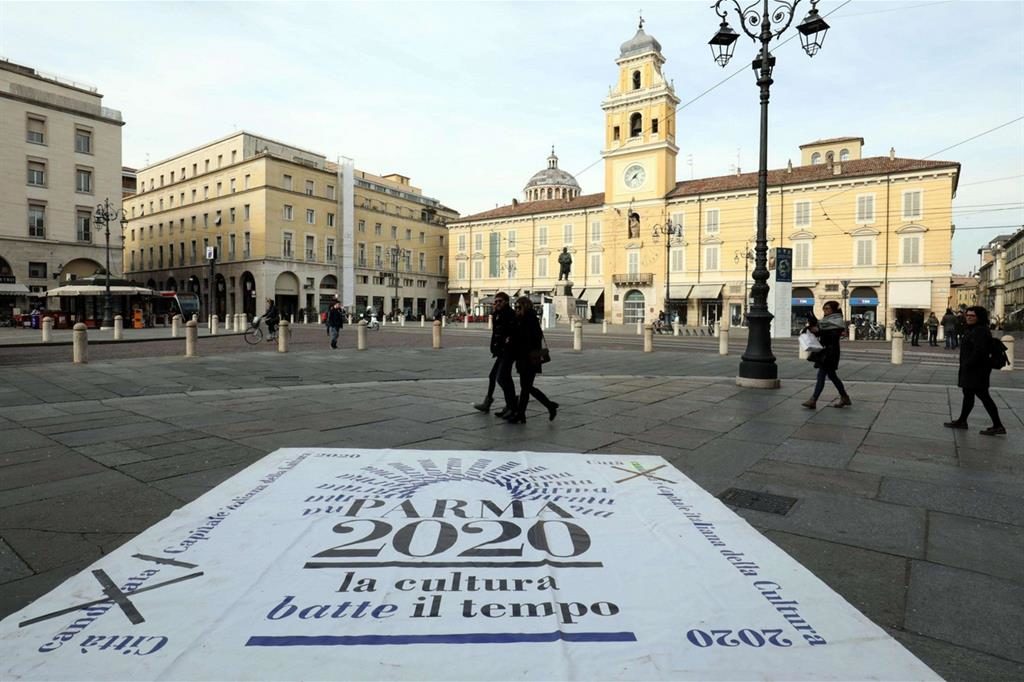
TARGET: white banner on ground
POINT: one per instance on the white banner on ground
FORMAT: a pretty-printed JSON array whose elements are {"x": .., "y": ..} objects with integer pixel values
[{"x": 426, "y": 565}]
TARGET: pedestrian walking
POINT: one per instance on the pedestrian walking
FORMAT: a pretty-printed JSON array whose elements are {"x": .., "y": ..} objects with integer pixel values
[
  {"x": 502, "y": 326},
  {"x": 949, "y": 328},
  {"x": 916, "y": 325},
  {"x": 828, "y": 330},
  {"x": 975, "y": 371},
  {"x": 933, "y": 330},
  {"x": 335, "y": 322},
  {"x": 528, "y": 345}
]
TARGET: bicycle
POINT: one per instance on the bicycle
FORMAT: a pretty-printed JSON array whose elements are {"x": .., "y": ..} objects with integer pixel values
[{"x": 254, "y": 334}]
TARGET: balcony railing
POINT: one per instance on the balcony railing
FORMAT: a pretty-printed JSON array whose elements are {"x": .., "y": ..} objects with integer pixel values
[{"x": 633, "y": 279}]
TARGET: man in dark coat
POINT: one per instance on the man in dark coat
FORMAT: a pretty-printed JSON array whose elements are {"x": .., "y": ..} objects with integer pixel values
[
  {"x": 975, "y": 371},
  {"x": 502, "y": 324},
  {"x": 335, "y": 322},
  {"x": 829, "y": 330},
  {"x": 916, "y": 325},
  {"x": 949, "y": 328}
]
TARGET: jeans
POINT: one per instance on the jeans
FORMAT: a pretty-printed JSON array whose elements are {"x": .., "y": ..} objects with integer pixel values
[
  {"x": 333, "y": 332},
  {"x": 819, "y": 385},
  {"x": 502, "y": 373},
  {"x": 933, "y": 335},
  {"x": 950, "y": 340}
]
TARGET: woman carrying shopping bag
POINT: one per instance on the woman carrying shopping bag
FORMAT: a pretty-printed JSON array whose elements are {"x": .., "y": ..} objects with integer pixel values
[{"x": 829, "y": 330}]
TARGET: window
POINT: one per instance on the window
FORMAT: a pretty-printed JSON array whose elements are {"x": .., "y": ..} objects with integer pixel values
[
  {"x": 132, "y": 260},
  {"x": 394, "y": 231},
  {"x": 636, "y": 125},
  {"x": 193, "y": 196},
  {"x": 478, "y": 243},
  {"x": 595, "y": 264},
  {"x": 865, "y": 251},
  {"x": 802, "y": 214},
  {"x": 678, "y": 221},
  {"x": 330, "y": 220},
  {"x": 478, "y": 269},
  {"x": 195, "y": 170},
  {"x": 160, "y": 261},
  {"x": 677, "y": 259},
  {"x": 246, "y": 244},
  {"x": 231, "y": 248},
  {"x": 206, "y": 220},
  {"x": 408, "y": 234},
  {"x": 378, "y": 229},
  {"x": 542, "y": 236},
  {"x": 330, "y": 191},
  {"x": 711, "y": 257},
  {"x": 595, "y": 232},
  {"x": 654, "y": 126},
  {"x": 912, "y": 205},
  {"x": 83, "y": 225},
  {"x": 232, "y": 185},
  {"x": 378, "y": 255},
  {"x": 423, "y": 237},
  {"x": 711, "y": 227},
  {"x": 37, "y": 221},
  {"x": 37, "y": 173},
  {"x": 233, "y": 153},
  {"x": 462, "y": 243},
  {"x": 423, "y": 262},
  {"x": 83, "y": 180},
  {"x": 192, "y": 254},
  {"x": 844, "y": 155},
  {"x": 83, "y": 141},
  {"x": 802, "y": 254},
  {"x": 310, "y": 247},
  {"x": 193, "y": 223},
  {"x": 36, "y": 130},
  {"x": 462, "y": 270},
  {"x": 866, "y": 208},
  {"x": 567, "y": 234},
  {"x": 172, "y": 176},
  {"x": 310, "y": 216},
  {"x": 218, "y": 188},
  {"x": 289, "y": 212},
  {"x": 287, "y": 182},
  {"x": 330, "y": 250},
  {"x": 633, "y": 263},
  {"x": 615, "y": 133},
  {"x": 542, "y": 266},
  {"x": 494, "y": 244},
  {"x": 815, "y": 158},
  {"x": 231, "y": 215},
  {"x": 636, "y": 80},
  {"x": 286, "y": 245},
  {"x": 310, "y": 188},
  {"x": 206, "y": 192},
  {"x": 37, "y": 270},
  {"x": 440, "y": 265},
  {"x": 245, "y": 181},
  {"x": 910, "y": 246},
  {"x": 220, "y": 159}
]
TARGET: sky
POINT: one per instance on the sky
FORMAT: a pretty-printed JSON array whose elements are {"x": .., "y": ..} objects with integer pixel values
[{"x": 467, "y": 98}]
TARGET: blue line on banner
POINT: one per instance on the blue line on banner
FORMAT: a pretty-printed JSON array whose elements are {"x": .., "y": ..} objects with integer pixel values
[{"x": 466, "y": 638}]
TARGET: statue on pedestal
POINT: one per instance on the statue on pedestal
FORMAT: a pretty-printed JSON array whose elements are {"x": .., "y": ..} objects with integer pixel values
[{"x": 565, "y": 263}]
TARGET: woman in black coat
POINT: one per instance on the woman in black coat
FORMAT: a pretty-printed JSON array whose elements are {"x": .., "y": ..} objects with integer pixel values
[
  {"x": 975, "y": 370},
  {"x": 829, "y": 330},
  {"x": 526, "y": 341}
]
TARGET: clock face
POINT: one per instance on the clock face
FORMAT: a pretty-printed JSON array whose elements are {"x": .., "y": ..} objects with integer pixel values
[{"x": 635, "y": 176}]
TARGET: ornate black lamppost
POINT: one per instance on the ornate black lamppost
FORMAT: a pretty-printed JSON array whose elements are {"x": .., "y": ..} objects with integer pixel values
[
  {"x": 757, "y": 367},
  {"x": 670, "y": 232},
  {"x": 106, "y": 214},
  {"x": 747, "y": 255},
  {"x": 397, "y": 253}
]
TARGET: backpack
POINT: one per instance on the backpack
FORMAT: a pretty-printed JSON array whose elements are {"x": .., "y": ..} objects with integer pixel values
[{"x": 997, "y": 354}]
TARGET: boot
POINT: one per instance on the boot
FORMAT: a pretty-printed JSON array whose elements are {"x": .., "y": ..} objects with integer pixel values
[
  {"x": 842, "y": 401},
  {"x": 993, "y": 431},
  {"x": 811, "y": 404},
  {"x": 955, "y": 424},
  {"x": 485, "y": 406}
]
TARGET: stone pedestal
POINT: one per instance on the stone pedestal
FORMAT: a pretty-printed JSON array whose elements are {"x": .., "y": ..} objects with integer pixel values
[{"x": 565, "y": 302}]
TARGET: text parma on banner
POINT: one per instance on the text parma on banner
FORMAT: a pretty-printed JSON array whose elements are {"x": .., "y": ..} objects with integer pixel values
[{"x": 417, "y": 565}]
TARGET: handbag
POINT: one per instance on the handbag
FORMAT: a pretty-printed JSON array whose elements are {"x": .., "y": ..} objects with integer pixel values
[
  {"x": 809, "y": 342},
  {"x": 542, "y": 355}
]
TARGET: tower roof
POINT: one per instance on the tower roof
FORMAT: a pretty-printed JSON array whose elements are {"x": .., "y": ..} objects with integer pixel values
[
  {"x": 639, "y": 44},
  {"x": 552, "y": 176}
]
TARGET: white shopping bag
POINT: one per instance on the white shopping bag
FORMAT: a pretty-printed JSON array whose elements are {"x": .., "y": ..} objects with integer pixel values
[{"x": 809, "y": 342}]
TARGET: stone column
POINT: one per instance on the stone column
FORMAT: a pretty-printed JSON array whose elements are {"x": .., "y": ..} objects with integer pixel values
[
  {"x": 436, "y": 336},
  {"x": 897, "y": 348},
  {"x": 80, "y": 344},
  {"x": 118, "y": 327},
  {"x": 191, "y": 338}
]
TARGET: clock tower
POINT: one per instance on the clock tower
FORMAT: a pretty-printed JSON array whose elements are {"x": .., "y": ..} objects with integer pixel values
[{"x": 640, "y": 125}]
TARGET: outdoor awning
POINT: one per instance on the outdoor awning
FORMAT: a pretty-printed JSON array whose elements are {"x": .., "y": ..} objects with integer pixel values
[
  {"x": 12, "y": 288},
  {"x": 706, "y": 291},
  {"x": 679, "y": 292},
  {"x": 916, "y": 294},
  {"x": 591, "y": 295},
  {"x": 92, "y": 290},
  {"x": 458, "y": 291}
]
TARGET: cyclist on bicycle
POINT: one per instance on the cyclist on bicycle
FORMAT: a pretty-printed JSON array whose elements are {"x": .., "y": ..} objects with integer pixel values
[{"x": 271, "y": 317}]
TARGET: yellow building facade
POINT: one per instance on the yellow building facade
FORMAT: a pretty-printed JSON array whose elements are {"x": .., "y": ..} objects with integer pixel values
[
  {"x": 287, "y": 224},
  {"x": 649, "y": 243}
]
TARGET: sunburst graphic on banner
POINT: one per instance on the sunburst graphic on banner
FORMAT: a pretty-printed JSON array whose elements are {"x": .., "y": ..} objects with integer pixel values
[{"x": 403, "y": 480}]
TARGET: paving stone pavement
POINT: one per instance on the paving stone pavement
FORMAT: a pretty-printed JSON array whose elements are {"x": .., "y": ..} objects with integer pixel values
[{"x": 919, "y": 527}]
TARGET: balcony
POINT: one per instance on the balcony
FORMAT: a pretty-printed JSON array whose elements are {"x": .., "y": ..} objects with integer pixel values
[{"x": 634, "y": 279}]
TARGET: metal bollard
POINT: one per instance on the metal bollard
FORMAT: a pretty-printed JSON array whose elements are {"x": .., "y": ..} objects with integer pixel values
[
  {"x": 118, "y": 327},
  {"x": 282, "y": 336},
  {"x": 46, "y": 327},
  {"x": 1008, "y": 342},
  {"x": 604, "y": 326},
  {"x": 175, "y": 326},
  {"x": 577, "y": 336},
  {"x": 361, "y": 335},
  {"x": 897, "y": 348},
  {"x": 191, "y": 338},
  {"x": 639, "y": 327},
  {"x": 80, "y": 344},
  {"x": 490, "y": 322},
  {"x": 214, "y": 323},
  {"x": 648, "y": 338},
  {"x": 436, "y": 335},
  {"x": 723, "y": 341}
]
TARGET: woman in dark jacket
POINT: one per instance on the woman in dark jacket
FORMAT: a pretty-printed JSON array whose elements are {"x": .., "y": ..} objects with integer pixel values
[
  {"x": 975, "y": 370},
  {"x": 527, "y": 340},
  {"x": 828, "y": 330}
]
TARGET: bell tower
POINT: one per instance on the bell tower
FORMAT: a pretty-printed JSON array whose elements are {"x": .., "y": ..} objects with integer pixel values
[{"x": 640, "y": 125}]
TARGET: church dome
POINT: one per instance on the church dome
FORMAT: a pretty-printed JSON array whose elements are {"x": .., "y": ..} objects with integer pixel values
[
  {"x": 639, "y": 44},
  {"x": 551, "y": 183}
]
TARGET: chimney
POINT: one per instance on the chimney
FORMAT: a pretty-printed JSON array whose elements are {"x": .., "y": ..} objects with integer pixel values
[
  {"x": 892, "y": 153},
  {"x": 789, "y": 166},
  {"x": 837, "y": 169},
  {"x": 515, "y": 202},
  {"x": 738, "y": 171}
]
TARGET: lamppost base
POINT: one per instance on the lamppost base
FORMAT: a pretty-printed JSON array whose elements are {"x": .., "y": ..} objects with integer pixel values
[{"x": 748, "y": 382}]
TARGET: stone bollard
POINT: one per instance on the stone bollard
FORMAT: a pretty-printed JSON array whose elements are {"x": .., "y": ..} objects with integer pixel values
[
  {"x": 423, "y": 320},
  {"x": 214, "y": 324},
  {"x": 490, "y": 322},
  {"x": 401, "y": 321},
  {"x": 46, "y": 327},
  {"x": 80, "y": 344},
  {"x": 639, "y": 327},
  {"x": 852, "y": 332},
  {"x": 465, "y": 322},
  {"x": 175, "y": 326},
  {"x": 941, "y": 335},
  {"x": 191, "y": 338},
  {"x": 282, "y": 336},
  {"x": 361, "y": 335},
  {"x": 436, "y": 336},
  {"x": 1008, "y": 342},
  {"x": 293, "y": 318},
  {"x": 195, "y": 317},
  {"x": 648, "y": 338},
  {"x": 723, "y": 341},
  {"x": 897, "y": 348},
  {"x": 604, "y": 326},
  {"x": 675, "y": 328},
  {"x": 888, "y": 333},
  {"x": 118, "y": 327},
  {"x": 444, "y": 321},
  {"x": 577, "y": 336},
  {"x": 718, "y": 328}
]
